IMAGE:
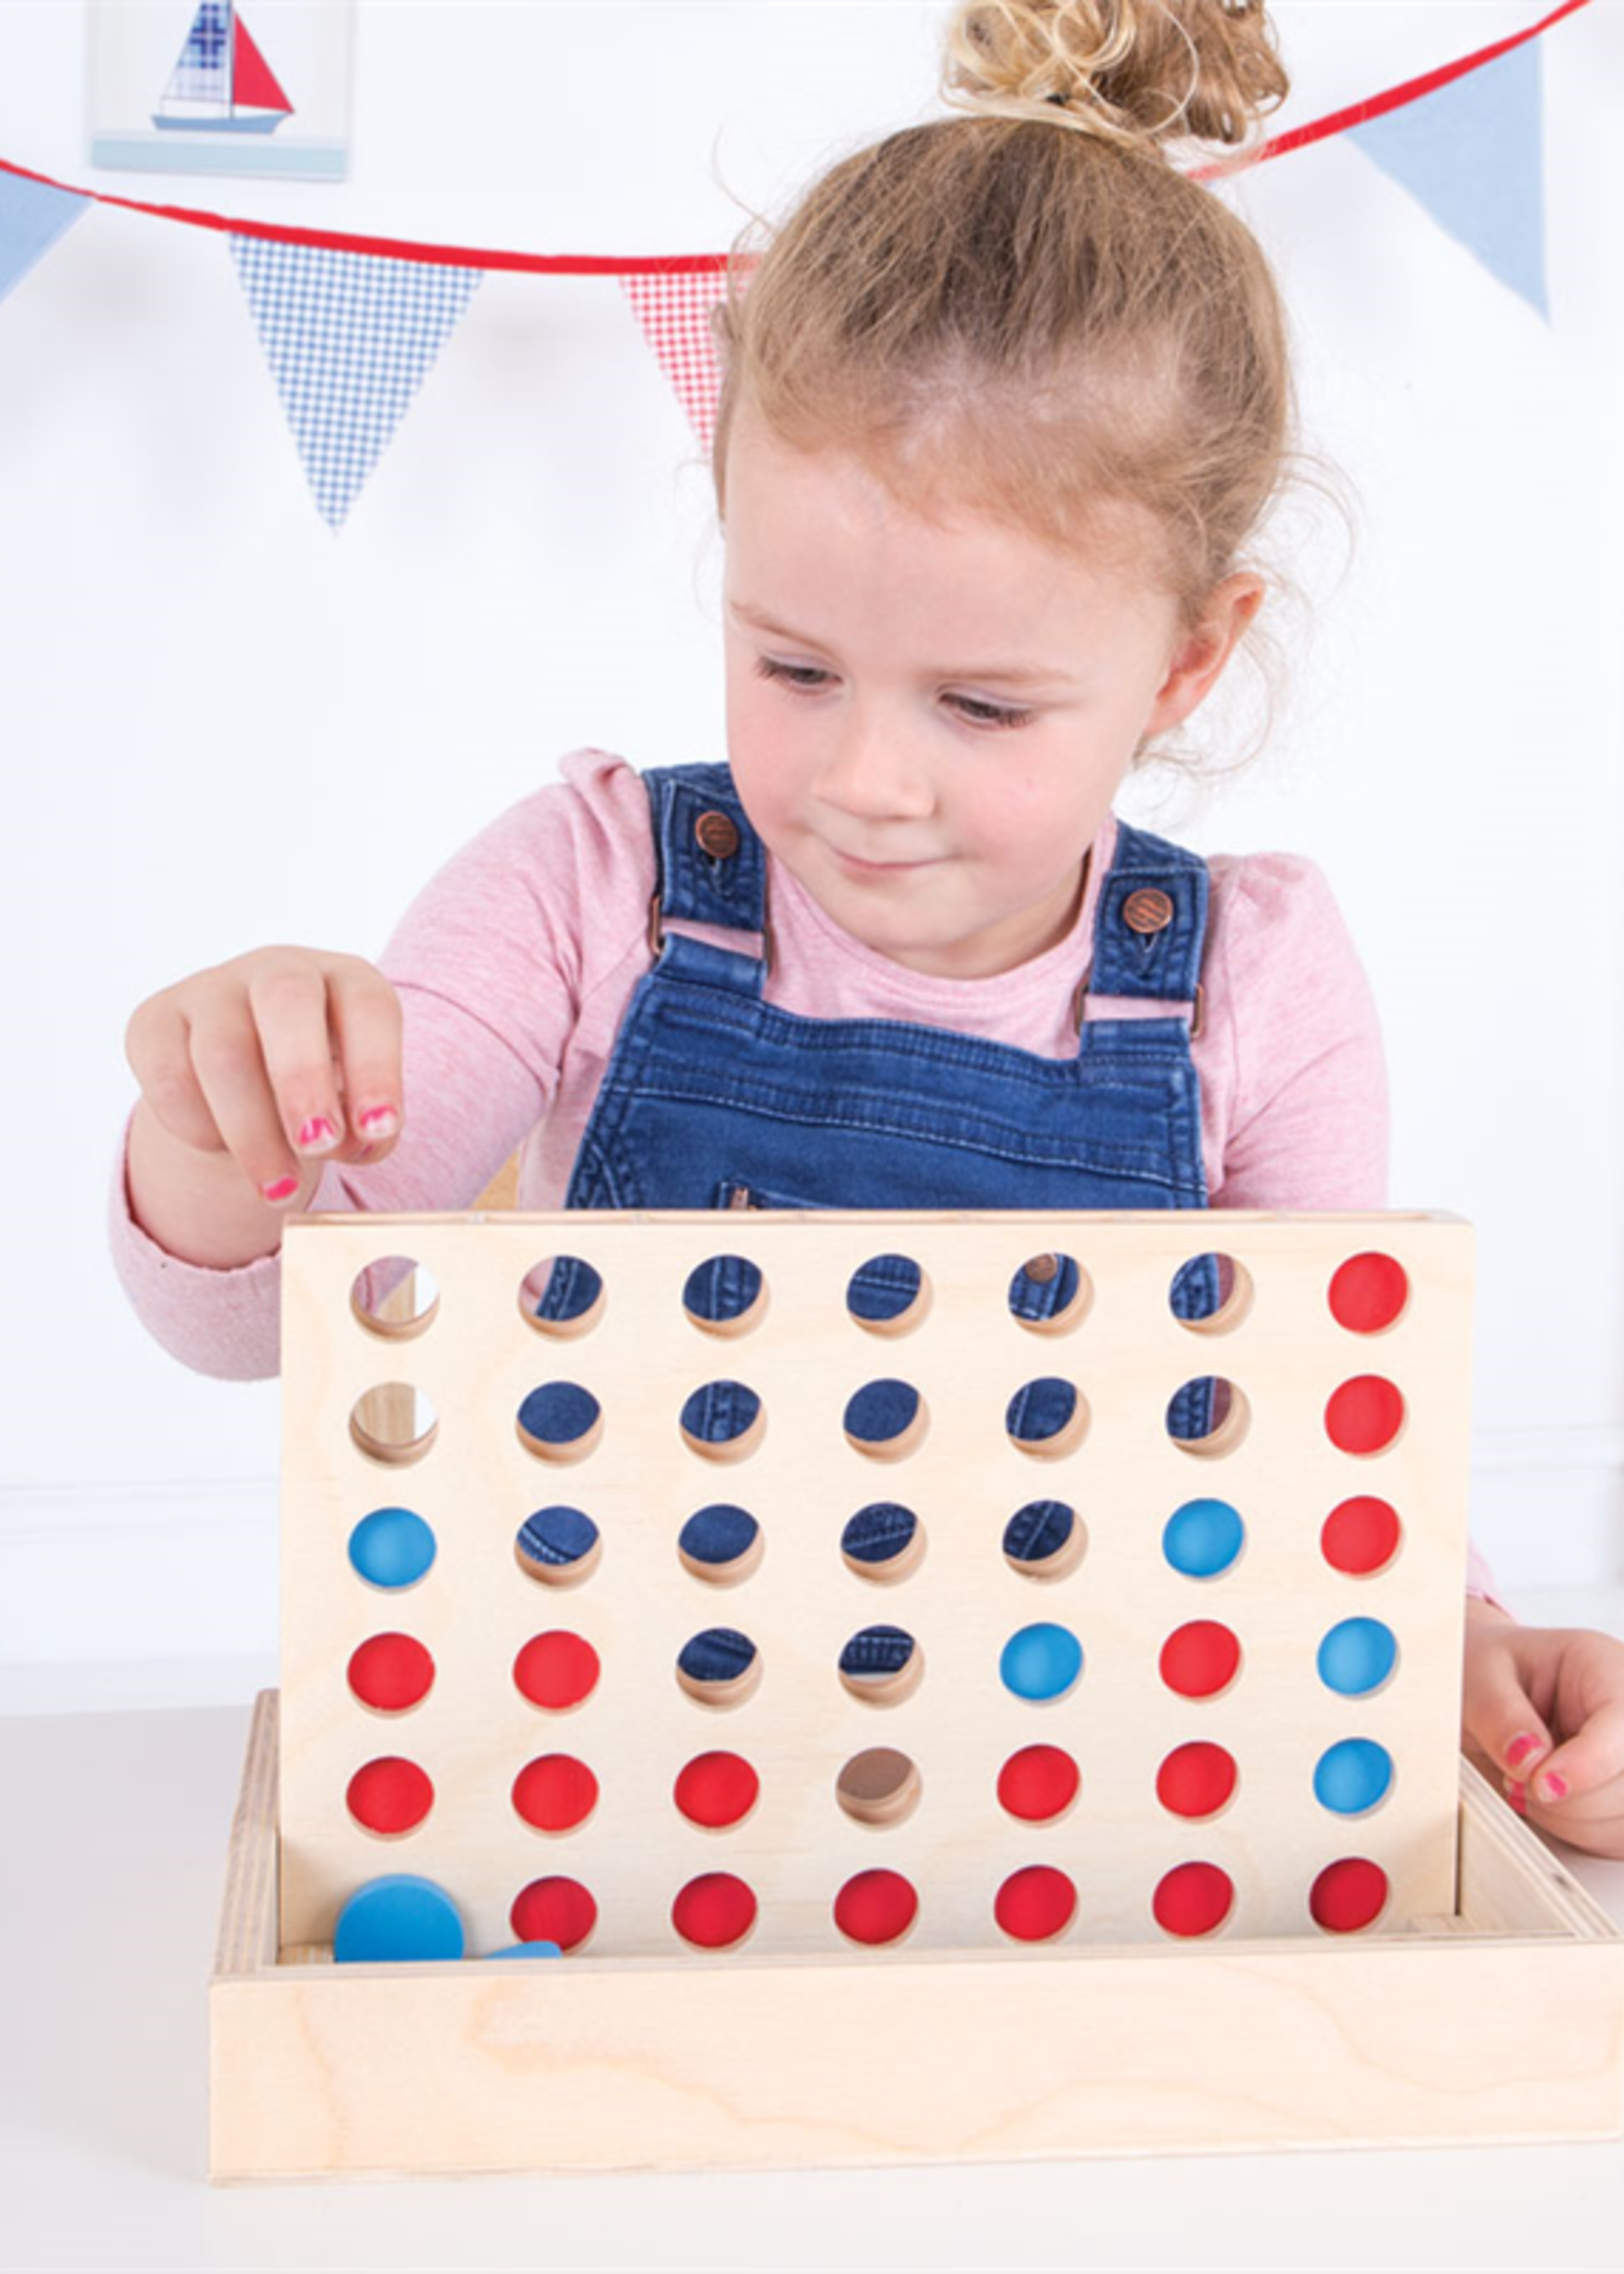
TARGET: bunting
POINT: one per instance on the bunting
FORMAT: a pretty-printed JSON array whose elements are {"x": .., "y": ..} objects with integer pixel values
[
  {"x": 1473, "y": 156},
  {"x": 32, "y": 217},
  {"x": 349, "y": 339},
  {"x": 352, "y": 325},
  {"x": 675, "y": 315}
]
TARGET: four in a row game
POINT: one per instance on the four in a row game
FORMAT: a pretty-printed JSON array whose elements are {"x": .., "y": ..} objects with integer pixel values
[{"x": 838, "y": 1583}]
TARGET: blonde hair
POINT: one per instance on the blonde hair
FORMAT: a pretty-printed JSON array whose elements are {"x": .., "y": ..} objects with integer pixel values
[{"x": 1030, "y": 310}]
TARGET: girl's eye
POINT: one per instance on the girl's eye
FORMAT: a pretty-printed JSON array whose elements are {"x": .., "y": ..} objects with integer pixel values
[
  {"x": 978, "y": 714},
  {"x": 806, "y": 675},
  {"x": 812, "y": 678}
]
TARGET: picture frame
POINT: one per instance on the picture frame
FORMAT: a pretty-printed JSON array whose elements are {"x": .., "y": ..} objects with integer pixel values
[{"x": 211, "y": 86}]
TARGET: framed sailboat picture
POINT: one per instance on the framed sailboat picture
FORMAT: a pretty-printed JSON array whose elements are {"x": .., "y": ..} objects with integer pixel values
[{"x": 221, "y": 87}]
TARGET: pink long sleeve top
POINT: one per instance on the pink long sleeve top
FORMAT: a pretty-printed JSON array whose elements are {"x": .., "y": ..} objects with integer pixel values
[{"x": 515, "y": 963}]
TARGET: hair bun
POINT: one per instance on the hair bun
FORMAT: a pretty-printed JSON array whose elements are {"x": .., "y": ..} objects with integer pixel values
[{"x": 1138, "y": 72}]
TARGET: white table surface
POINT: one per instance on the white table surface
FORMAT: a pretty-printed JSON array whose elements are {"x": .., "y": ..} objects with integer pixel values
[{"x": 113, "y": 1831}]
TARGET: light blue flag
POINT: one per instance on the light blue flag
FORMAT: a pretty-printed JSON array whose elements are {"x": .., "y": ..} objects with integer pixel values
[
  {"x": 1472, "y": 154},
  {"x": 32, "y": 217},
  {"x": 350, "y": 338}
]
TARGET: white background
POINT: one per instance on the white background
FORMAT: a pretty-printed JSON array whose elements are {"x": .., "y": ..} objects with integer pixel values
[{"x": 222, "y": 724}]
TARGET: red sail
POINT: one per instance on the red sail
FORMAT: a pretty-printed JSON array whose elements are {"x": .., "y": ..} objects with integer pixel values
[{"x": 252, "y": 82}]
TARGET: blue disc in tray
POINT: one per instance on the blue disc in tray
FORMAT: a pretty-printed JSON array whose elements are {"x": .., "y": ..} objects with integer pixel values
[
  {"x": 527, "y": 1950},
  {"x": 1203, "y": 1537},
  {"x": 1356, "y": 1656},
  {"x": 1041, "y": 1661},
  {"x": 392, "y": 1547},
  {"x": 1353, "y": 1777},
  {"x": 397, "y": 1916}
]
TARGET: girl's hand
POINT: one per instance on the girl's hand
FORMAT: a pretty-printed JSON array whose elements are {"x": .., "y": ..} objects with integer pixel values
[
  {"x": 279, "y": 1059},
  {"x": 1542, "y": 1710}
]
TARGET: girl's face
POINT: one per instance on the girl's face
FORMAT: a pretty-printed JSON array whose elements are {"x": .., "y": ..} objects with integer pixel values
[{"x": 927, "y": 721}]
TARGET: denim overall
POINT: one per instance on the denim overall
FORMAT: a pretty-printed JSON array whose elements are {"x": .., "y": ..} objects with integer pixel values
[{"x": 715, "y": 1098}]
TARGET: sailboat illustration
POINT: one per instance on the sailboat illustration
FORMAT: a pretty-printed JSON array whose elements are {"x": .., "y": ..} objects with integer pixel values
[{"x": 221, "y": 84}]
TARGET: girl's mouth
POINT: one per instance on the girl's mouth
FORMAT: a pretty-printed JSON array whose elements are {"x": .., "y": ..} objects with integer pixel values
[{"x": 866, "y": 867}]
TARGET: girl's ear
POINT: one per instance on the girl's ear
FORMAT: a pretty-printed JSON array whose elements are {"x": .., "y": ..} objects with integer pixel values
[{"x": 1202, "y": 654}]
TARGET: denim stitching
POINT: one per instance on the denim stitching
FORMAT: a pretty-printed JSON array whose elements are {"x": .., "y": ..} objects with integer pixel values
[
  {"x": 1152, "y": 1039},
  {"x": 1102, "y": 1159}
]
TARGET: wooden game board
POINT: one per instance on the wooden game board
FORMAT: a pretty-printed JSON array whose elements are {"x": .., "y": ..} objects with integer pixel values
[
  {"x": 1483, "y": 1999},
  {"x": 480, "y": 1353}
]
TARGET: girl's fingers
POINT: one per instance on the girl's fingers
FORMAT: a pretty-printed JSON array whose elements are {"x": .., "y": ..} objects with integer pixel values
[
  {"x": 1499, "y": 1714},
  {"x": 159, "y": 1046},
  {"x": 230, "y": 1067},
  {"x": 288, "y": 1002},
  {"x": 366, "y": 1019},
  {"x": 1565, "y": 1771},
  {"x": 1593, "y": 1757},
  {"x": 282, "y": 1058}
]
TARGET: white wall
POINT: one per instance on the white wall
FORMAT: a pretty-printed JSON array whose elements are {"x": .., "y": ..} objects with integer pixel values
[{"x": 225, "y": 725}]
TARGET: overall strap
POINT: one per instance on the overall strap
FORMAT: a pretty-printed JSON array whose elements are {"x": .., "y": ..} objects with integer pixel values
[
  {"x": 709, "y": 868},
  {"x": 710, "y": 865},
  {"x": 1152, "y": 924}
]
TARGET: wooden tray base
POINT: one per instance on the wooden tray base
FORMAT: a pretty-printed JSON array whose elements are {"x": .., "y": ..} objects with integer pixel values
[{"x": 1503, "y": 2022}]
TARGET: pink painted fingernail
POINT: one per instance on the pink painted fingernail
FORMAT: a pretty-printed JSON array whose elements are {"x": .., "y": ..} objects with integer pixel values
[
  {"x": 1552, "y": 1787},
  {"x": 380, "y": 1122},
  {"x": 283, "y": 1189},
  {"x": 317, "y": 1134},
  {"x": 1517, "y": 1794},
  {"x": 1518, "y": 1751}
]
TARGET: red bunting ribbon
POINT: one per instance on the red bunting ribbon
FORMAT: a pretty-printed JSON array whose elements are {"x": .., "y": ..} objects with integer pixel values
[
  {"x": 399, "y": 248},
  {"x": 1337, "y": 122},
  {"x": 706, "y": 263}
]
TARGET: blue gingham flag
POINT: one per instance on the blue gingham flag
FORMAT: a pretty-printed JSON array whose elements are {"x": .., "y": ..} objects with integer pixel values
[
  {"x": 350, "y": 339},
  {"x": 32, "y": 217}
]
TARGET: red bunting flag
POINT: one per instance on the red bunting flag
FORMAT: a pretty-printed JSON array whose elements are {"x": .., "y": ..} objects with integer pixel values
[{"x": 675, "y": 312}]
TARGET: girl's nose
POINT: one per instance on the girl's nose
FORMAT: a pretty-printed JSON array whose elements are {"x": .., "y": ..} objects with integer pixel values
[{"x": 872, "y": 770}]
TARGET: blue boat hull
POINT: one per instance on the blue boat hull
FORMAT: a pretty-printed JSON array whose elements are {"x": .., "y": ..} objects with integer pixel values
[{"x": 248, "y": 123}]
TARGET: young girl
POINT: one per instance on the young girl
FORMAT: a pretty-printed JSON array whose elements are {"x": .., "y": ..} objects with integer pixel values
[{"x": 1005, "y": 401}]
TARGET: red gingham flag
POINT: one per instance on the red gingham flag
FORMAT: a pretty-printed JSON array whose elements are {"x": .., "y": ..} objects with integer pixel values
[{"x": 674, "y": 311}]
